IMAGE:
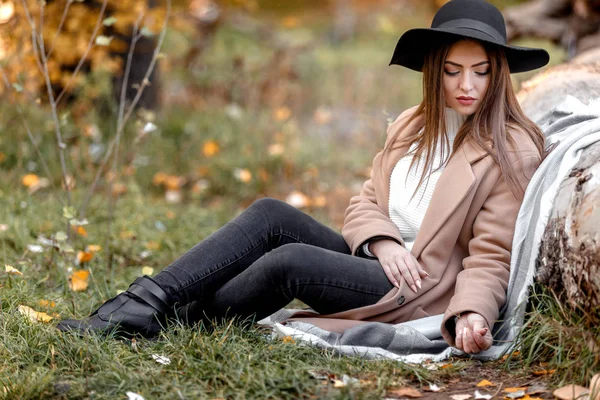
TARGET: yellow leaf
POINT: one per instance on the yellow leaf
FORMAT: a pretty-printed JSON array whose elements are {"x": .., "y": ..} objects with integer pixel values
[
  {"x": 84, "y": 256},
  {"x": 78, "y": 281},
  {"x": 275, "y": 149},
  {"x": 94, "y": 248},
  {"x": 514, "y": 389},
  {"x": 152, "y": 245},
  {"x": 288, "y": 339},
  {"x": 485, "y": 383},
  {"x": 406, "y": 392},
  {"x": 159, "y": 178},
  {"x": 33, "y": 315},
  {"x": 243, "y": 175},
  {"x": 30, "y": 180},
  {"x": 47, "y": 303},
  {"x": 127, "y": 235},
  {"x": 544, "y": 372},
  {"x": 118, "y": 189},
  {"x": 282, "y": 114},
  {"x": 297, "y": 199},
  {"x": 210, "y": 148},
  {"x": 173, "y": 182},
  {"x": 9, "y": 269},
  {"x": 146, "y": 270}
]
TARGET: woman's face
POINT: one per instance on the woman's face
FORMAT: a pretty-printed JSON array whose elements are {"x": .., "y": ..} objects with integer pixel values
[{"x": 466, "y": 76}]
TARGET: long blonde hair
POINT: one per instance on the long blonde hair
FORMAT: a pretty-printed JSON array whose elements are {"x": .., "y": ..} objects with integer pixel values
[{"x": 499, "y": 110}]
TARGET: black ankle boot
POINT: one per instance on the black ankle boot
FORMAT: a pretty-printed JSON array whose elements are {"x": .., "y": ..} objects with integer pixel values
[{"x": 141, "y": 309}]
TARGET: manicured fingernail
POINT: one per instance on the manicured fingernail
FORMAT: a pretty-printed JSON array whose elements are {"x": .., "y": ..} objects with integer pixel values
[
  {"x": 418, "y": 283},
  {"x": 397, "y": 284},
  {"x": 426, "y": 273},
  {"x": 414, "y": 288}
]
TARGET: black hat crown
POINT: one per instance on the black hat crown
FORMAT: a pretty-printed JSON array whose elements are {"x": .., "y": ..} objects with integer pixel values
[{"x": 465, "y": 19}]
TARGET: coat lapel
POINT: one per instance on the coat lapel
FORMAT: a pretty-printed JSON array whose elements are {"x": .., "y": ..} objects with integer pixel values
[{"x": 453, "y": 186}]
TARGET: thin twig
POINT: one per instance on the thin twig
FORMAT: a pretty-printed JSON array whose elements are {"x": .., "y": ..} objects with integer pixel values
[
  {"x": 87, "y": 50},
  {"x": 33, "y": 35},
  {"x": 38, "y": 44},
  {"x": 112, "y": 199},
  {"x": 145, "y": 82},
  {"x": 60, "y": 25}
]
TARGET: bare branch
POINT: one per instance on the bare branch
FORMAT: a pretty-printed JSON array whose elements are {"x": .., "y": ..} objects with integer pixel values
[
  {"x": 87, "y": 50},
  {"x": 63, "y": 18},
  {"x": 145, "y": 82}
]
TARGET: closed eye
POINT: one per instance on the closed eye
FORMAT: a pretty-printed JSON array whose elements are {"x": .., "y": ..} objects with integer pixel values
[
  {"x": 483, "y": 73},
  {"x": 451, "y": 73}
]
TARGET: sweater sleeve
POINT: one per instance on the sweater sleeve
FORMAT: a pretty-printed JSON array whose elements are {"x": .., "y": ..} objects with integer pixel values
[{"x": 481, "y": 285}]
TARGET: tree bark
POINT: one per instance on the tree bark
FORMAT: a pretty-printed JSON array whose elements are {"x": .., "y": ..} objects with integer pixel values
[
  {"x": 574, "y": 24},
  {"x": 569, "y": 258}
]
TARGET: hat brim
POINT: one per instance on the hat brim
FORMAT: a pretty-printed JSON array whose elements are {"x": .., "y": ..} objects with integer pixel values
[{"x": 414, "y": 45}]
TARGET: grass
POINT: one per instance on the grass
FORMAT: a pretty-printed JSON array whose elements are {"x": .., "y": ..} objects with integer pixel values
[{"x": 307, "y": 120}]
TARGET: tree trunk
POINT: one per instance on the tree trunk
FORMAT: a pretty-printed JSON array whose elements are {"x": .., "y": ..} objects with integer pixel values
[
  {"x": 569, "y": 258},
  {"x": 574, "y": 24}
]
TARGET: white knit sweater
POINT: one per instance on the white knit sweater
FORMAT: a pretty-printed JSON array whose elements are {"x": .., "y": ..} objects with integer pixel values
[{"x": 408, "y": 214}]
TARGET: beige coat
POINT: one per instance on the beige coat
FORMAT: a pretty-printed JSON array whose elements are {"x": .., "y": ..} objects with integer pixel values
[{"x": 464, "y": 241}]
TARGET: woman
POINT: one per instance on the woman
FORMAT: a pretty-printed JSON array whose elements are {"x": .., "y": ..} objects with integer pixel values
[{"x": 429, "y": 233}]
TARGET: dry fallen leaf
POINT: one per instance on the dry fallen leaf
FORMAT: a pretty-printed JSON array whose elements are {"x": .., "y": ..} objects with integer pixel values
[
  {"x": 570, "y": 392},
  {"x": 133, "y": 396},
  {"x": 485, "y": 383},
  {"x": 152, "y": 245},
  {"x": 482, "y": 396},
  {"x": 519, "y": 394},
  {"x": 78, "y": 281},
  {"x": 161, "y": 359},
  {"x": 210, "y": 148},
  {"x": 146, "y": 270},
  {"x": 544, "y": 372},
  {"x": 297, "y": 199},
  {"x": 94, "y": 248},
  {"x": 30, "y": 180},
  {"x": 47, "y": 303},
  {"x": 10, "y": 270},
  {"x": 406, "y": 392},
  {"x": 34, "y": 316},
  {"x": 243, "y": 175},
  {"x": 432, "y": 388},
  {"x": 514, "y": 389},
  {"x": 288, "y": 339},
  {"x": 282, "y": 114},
  {"x": 460, "y": 396},
  {"x": 84, "y": 256}
]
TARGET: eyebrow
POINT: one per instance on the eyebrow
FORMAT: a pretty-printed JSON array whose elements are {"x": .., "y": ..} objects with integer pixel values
[{"x": 474, "y": 65}]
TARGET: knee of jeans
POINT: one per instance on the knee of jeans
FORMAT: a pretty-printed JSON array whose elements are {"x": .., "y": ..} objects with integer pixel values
[
  {"x": 286, "y": 262},
  {"x": 268, "y": 205}
]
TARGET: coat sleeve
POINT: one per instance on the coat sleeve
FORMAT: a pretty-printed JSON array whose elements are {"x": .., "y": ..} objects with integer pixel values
[
  {"x": 481, "y": 285},
  {"x": 365, "y": 219}
]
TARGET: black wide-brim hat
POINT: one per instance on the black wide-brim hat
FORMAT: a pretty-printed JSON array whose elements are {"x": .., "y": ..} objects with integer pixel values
[{"x": 465, "y": 19}]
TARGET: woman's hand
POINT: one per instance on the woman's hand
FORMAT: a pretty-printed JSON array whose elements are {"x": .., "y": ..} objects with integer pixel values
[
  {"x": 398, "y": 263},
  {"x": 473, "y": 333}
]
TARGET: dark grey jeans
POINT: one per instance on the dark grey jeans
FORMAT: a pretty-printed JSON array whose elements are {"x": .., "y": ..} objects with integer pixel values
[{"x": 264, "y": 258}]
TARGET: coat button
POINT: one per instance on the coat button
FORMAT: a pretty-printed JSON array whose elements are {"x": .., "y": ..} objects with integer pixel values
[{"x": 401, "y": 300}]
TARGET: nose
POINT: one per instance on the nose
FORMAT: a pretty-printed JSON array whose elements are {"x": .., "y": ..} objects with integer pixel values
[{"x": 466, "y": 84}]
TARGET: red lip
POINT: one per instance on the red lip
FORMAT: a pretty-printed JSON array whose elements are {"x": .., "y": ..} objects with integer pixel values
[{"x": 465, "y": 98}]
